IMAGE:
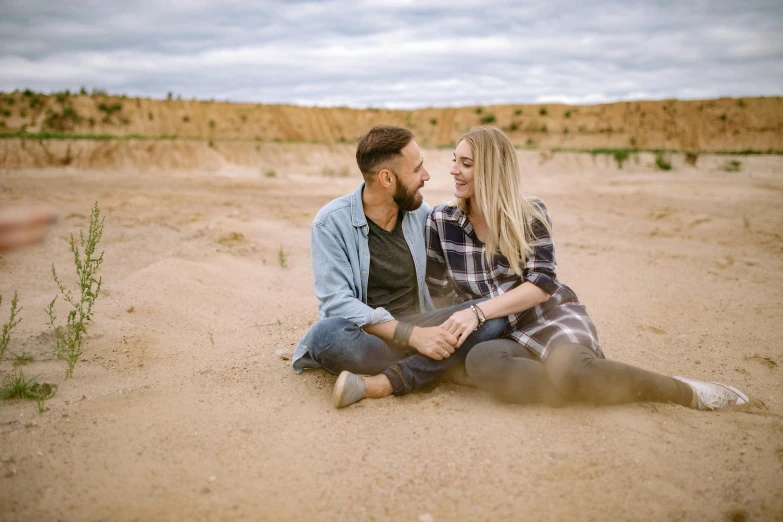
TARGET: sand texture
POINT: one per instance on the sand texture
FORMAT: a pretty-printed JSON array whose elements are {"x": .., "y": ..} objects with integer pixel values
[{"x": 184, "y": 406}]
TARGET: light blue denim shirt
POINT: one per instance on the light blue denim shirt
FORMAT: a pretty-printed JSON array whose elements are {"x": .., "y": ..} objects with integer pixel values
[{"x": 341, "y": 264}]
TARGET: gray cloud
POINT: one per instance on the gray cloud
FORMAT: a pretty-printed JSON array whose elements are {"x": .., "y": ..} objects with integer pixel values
[{"x": 397, "y": 53}]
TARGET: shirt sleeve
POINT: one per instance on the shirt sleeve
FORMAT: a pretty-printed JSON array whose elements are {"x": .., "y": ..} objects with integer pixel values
[
  {"x": 437, "y": 274},
  {"x": 334, "y": 281},
  {"x": 540, "y": 267}
]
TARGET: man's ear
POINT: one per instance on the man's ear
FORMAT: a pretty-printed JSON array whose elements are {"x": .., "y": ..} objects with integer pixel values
[{"x": 386, "y": 178}]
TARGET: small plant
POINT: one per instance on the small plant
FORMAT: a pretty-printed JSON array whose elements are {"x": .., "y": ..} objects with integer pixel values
[
  {"x": 27, "y": 93},
  {"x": 35, "y": 101},
  {"x": 270, "y": 173},
  {"x": 83, "y": 91},
  {"x": 244, "y": 118},
  {"x": 732, "y": 166},
  {"x": 69, "y": 338},
  {"x": 542, "y": 111},
  {"x": 741, "y": 103},
  {"x": 565, "y": 130},
  {"x": 12, "y": 322},
  {"x": 620, "y": 155},
  {"x": 18, "y": 387},
  {"x": 518, "y": 112},
  {"x": 282, "y": 258},
  {"x": 22, "y": 359},
  {"x": 567, "y": 114},
  {"x": 211, "y": 339},
  {"x": 211, "y": 124},
  {"x": 513, "y": 126},
  {"x": 433, "y": 121},
  {"x": 149, "y": 115},
  {"x": 488, "y": 119},
  {"x": 23, "y": 113},
  {"x": 169, "y": 95},
  {"x": 723, "y": 117},
  {"x": 479, "y": 110},
  {"x": 661, "y": 163},
  {"x": 186, "y": 118},
  {"x": 544, "y": 129}
]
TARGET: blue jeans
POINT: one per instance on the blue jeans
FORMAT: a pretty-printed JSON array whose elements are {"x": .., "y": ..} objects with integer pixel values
[{"x": 337, "y": 344}]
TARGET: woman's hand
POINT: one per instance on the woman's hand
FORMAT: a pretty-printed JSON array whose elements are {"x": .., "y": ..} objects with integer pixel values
[{"x": 461, "y": 324}]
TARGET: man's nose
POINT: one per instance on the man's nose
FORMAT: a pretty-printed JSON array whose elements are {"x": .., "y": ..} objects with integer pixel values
[{"x": 426, "y": 176}]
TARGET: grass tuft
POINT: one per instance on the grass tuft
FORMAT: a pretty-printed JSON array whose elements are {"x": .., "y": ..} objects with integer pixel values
[{"x": 282, "y": 258}]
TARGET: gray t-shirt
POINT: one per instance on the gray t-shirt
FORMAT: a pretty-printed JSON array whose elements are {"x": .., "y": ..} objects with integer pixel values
[{"x": 392, "y": 280}]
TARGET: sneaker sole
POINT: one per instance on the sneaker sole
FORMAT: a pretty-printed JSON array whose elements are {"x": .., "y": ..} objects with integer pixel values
[{"x": 339, "y": 387}]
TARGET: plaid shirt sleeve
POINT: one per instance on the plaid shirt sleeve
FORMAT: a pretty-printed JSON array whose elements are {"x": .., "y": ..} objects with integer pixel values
[
  {"x": 437, "y": 276},
  {"x": 540, "y": 268}
]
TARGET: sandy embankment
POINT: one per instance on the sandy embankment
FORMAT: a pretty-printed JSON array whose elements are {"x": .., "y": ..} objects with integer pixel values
[{"x": 182, "y": 409}]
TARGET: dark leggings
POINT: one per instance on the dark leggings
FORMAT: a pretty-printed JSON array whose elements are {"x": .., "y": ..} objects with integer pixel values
[{"x": 571, "y": 373}]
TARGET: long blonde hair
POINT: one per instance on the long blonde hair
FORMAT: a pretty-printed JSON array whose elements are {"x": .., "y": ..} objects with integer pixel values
[{"x": 508, "y": 212}]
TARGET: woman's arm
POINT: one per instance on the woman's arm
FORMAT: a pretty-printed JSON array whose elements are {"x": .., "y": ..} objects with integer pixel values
[{"x": 539, "y": 278}]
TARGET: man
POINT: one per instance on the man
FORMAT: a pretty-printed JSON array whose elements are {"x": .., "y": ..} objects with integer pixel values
[{"x": 369, "y": 261}]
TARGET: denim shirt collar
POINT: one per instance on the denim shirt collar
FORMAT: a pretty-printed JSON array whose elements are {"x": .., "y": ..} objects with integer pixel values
[{"x": 357, "y": 210}]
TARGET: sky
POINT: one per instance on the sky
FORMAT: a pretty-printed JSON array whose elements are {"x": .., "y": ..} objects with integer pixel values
[{"x": 396, "y": 54}]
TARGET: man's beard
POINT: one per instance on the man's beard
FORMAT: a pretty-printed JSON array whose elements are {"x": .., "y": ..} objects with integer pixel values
[{"x": 406, "y": 200}]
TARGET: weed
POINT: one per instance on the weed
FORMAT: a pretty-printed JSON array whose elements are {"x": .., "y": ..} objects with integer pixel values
[
  {"x": 723, "y": 117},
  {"x": 21, "y": 359},
  {"x": 732, "y": 166},
  {"x": 567, "y": 114},
  {"x": 741, "y": 103},
  {"x": 512, "y": 127},
  {"x": 62, "y": 96},
  {"x": 270, "y": 173},
  {"x": 35, "y": 101},
  {"x": 282, "y": 258},
  {"x": 211, "y": 124},
  {"x": 433, "y": 121},
  {"x": 565, "y": 130},
  {"x": 542, "y": 111},
  {"x": 211, "y": 339},
  {"x": 169, "y": 95},
  {"x": 186, "y": 118},
  {"x": 244, "y": 118},
  {"x": 5, "y": 112},
  {"x": 18, "y": 387},
  {"x": 69, "y": 338},
  {"x": 12, "y": 322},
  {"x": 661, "y": 162},
  {"x": 479, "y": 110},
  {"x": 23, "y": 113},
  {"x": 518, "y": 112},
  {"x": 488, "y": 119},
  {"x": 633, "y": 142},
  {"x": 83, "y": 90},
  {"x": 149, "y": 115},
  {"x": 27, "y": 93},
  {"x": 543, "y": 129},
  {"x": 691, "y": 158}
]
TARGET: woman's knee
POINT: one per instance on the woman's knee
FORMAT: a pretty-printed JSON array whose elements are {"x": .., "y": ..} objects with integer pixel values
[
  {"x": 569, "y": 367},
  {"x": 487, "y": 359}
]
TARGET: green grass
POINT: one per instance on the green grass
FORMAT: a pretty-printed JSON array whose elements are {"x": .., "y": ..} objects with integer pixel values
[
  {"x": 488, "y": 119},
  {"x": 282, "y": 258},
  {"x": 270, "y": 173},
  {"x": 18, "y": 387},
  {"x": 661, "y": 163},
  {"x": 732, "y": 166}
]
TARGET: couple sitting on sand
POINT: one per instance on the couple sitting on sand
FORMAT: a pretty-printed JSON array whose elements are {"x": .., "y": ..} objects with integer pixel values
[{"x": 382, "y": 258}]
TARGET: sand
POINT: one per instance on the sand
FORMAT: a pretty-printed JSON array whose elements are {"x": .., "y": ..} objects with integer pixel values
[{"x": 184, "y": 407}]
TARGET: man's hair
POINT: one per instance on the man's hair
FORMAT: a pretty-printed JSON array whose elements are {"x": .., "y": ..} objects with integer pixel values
[{"x": 383, "y": 144}]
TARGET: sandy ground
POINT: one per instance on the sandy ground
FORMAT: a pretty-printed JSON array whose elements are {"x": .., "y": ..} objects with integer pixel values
[{"x": 183, "y": 407}]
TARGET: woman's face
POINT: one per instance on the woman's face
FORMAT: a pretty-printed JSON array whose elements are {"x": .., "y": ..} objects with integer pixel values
[{"x": 462, "y": 170}]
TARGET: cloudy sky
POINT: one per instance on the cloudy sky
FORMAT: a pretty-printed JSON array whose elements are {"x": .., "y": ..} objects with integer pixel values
[{"x": 399, "y": 53}]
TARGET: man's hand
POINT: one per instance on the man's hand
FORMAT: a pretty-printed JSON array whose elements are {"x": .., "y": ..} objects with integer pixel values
[
  {"x": 461, "y": 324},
  {"x": 434, "y": 342}
]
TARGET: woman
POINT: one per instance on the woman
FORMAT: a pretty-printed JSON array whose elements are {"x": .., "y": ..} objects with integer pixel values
[{"x": 494, "y": 242}]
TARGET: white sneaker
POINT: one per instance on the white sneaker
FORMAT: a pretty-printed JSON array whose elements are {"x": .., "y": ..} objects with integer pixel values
[{"x": 713, "y": 395}]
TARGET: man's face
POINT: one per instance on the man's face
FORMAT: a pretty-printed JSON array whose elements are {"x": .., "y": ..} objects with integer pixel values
[{"x": 411, "y": 176}]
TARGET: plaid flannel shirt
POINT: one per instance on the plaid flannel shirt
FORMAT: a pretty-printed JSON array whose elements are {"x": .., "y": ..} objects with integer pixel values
[{"x": 456, "y": 262}]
